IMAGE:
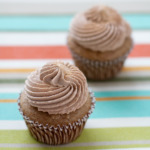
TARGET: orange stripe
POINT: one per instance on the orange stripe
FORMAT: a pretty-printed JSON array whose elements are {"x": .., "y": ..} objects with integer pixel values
[
  {"x": 34, "y": 52},
  {"x": 49, "y": 52},
  {"x": 121, "y": 98},
  {"x": 141, "y": 50}
]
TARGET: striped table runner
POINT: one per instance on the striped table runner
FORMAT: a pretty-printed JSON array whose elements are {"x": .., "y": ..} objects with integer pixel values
[{"x": 121, "y": 118}]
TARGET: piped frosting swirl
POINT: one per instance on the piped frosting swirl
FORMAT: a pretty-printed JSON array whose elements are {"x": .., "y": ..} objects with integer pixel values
[
  {"x": 57, "y": 88},
  {"x": 100, "y": 28}
]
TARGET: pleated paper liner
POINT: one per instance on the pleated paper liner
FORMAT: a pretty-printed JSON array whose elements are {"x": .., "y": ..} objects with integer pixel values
[
  {"x": 99, "y": 70},
  {"x": 55, "y": 135}
]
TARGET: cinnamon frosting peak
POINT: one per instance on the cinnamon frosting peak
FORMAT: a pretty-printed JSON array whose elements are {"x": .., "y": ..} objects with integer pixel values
[
  {"x": 56, "y": 88},
  {"x": 54, "y": 74},
  {"x": 100, "y": 28}
]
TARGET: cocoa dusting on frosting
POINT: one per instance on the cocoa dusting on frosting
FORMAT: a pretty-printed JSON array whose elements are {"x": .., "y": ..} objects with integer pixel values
[
  {"x": 100, "y": 28},
  {"x": 57, "y": 88}
]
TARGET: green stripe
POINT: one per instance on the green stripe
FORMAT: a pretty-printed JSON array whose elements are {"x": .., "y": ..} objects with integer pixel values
[
  {"x": 88, "y": 135},
  {"x": 123, "y": 79},
  {"x": 81, "y": 148},
  {"x": 60, "y": 23},
  {"x": 12, "y": 81}
]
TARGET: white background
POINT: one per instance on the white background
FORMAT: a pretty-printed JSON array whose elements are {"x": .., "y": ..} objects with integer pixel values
[{"x": 37, "y": 7}]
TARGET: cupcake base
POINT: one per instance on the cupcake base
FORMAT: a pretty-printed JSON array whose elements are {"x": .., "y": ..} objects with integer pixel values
[
  {"x": 98, "y": 65},
  {"x": 97, "y": 70},
  {"x": 60, "y": 133}
]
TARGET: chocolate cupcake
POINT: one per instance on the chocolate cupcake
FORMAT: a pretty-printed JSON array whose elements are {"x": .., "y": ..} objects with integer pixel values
[
  {"x": 100, "y": 41},
  {"x": 55, "y": 103}
]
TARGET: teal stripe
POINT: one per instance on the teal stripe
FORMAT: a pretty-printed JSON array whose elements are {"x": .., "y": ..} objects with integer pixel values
[
  {"x": 96, "y": 94},
  {"x": 9, "y": 111},
  {"x": 121, "y": 93},
  {"x": 138, "y": 21},
  {"x": 34, "y": 23},
  {"x": 104, "y": 109},
  {"x": 128, "y": 108},
  {"x": 9, "y": 95},
  {"x": 60, "y": 23}
]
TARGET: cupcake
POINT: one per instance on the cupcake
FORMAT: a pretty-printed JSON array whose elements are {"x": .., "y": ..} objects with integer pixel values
[
  {"x": 55, "y": 103},
  {"x": 99, "y": 40}
]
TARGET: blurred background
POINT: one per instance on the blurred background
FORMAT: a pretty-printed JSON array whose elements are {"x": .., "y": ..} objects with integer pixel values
[
  {"x": 33, "y": 32},
  {"x": 47, "y": 15},
  {"x": 44, "y": 7}
]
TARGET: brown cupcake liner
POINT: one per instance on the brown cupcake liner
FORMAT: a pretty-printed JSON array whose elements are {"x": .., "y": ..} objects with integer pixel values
[
  {"x": 60, "y": 134},
  {"x": 99, "y": 70}
]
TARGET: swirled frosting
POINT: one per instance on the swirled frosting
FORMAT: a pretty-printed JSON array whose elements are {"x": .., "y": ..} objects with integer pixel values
[
  {"x": 100, "y": 28},
  {"x": 56, "y": 88}
]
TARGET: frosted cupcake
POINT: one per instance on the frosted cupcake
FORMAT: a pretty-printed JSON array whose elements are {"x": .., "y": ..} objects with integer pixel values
[
  {"x": 99, "y": 40},
  {"x": 56, "y": 103}
]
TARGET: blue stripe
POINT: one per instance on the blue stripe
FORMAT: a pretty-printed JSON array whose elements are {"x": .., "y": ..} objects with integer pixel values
[
  {"x": 60, "y": 23},
  {"x": 104, "y": 109}
]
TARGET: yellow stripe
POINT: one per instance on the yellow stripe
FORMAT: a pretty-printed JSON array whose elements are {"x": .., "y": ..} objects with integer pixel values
[
  {"x": 136, "y": 68},
  {"x": 8, "y": 100},
  {"x": 16, "y": 70},
  {"x": 27, "y": 70},
  {"x": 97, "y": 99},
  {"x": 122, "y": 98}
]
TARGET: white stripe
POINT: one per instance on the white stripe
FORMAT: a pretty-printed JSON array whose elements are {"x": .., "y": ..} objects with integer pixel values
[
  {"x": 13, "y": 75},
  {"x": 119, "y": 86},
  {"x": 32, "y": 38},
  {"x": 132, "y": 74},
  {"x": 94, "y": 86},
  {"x": 34, "y": 63},
  {"x": 105, "y": 143},
  {"x": 91, "y": 123},
  {"x": 51, "y": 38},
  {"x": 13, "y": 88},
  {"x": 137, "y": 62},
  {"x": 12, "y": 125},
  {"x": 141, "y": 37},
  {"x": 124, "y": 74},
  {"x": 118, "y": 122},
  {"x": 31, "y": 63},
  {"x": 68, "y": 6}
]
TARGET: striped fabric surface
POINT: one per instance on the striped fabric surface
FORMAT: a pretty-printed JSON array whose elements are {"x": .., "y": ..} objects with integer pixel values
[{"x": 121, "y": 119}]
